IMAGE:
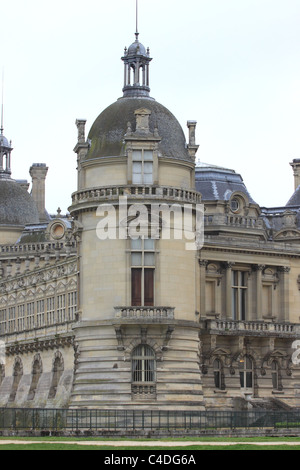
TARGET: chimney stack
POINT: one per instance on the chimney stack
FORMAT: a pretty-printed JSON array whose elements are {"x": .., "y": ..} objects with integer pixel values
[
  {"x": 38, "y": 173},
  {"x": 296, "y": 167}
]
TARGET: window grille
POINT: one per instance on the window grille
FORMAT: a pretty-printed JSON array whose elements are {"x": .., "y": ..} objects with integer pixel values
[{"x": 143, "y": 364}]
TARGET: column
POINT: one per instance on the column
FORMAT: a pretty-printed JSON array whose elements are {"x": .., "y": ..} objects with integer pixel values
[
  {"x": 203, "y": 263},
  {"x": 259, "y": 270},
  {"x": 228, "y": 296},
  {"x": 284, "y": 293}
]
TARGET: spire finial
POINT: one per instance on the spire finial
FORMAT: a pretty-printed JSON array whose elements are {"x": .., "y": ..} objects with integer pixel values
[
  {"x": 137, "y": 18},
  {"x": 1, "y": 129}
]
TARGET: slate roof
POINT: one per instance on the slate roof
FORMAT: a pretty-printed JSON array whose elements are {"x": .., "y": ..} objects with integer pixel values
[
  {"x": 295, "y": 199},
  {"x": 16, "y": 205},
  {"x": 218, "y": 183}
]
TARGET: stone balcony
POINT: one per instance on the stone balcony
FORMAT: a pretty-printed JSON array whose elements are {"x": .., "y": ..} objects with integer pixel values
[
  {"x": 236, "y": 221},
  {"x": 253, "y": 328},
  {"x": 152, "y": 314},
  {"x": 93, "y": 196}
]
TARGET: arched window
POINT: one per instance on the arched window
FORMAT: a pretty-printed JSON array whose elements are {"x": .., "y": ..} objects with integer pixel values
[
  {"x": 57, "y": 370},
  {"x": 246, "y": 373},
  {"x": 143, "y": 364}
]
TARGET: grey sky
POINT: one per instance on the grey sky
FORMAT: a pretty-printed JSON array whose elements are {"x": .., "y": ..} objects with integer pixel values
[{"x": 232, "y": 65}]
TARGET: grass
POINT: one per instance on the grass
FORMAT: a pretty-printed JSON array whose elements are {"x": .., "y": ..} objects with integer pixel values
[
  {"x": 73, "y": 447},
  {"x": 55, "y": 443}
]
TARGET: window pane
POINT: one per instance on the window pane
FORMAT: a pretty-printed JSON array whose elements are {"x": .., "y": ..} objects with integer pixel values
[
  {"x": 275, "y": 380},
  {"x": 149, "y": 244},
  {"x": 148, "y": 178},
  {"x": 242, "y": 379},
  {"x": 136, "y": 259},
  {"x": 137, "y": 173},
  {"x": 248, "y": 379},
  {"x": 136, "y": 287},
  {"x": 136, "y": 244},
  {"x": 137, "y": 155},
  {"x": 235, "y": 304},
  {"x": 148, "y": 155},
  {"x": 149, "y": 287},
  {"x": 243, "y": 278},
  {"x": 148, "y": 166},
  {"x": 248, "y": 363},
  {"x": 242, "y": 304},
  {"x": 217, "y": 379},
  {"x": 149, "y": 259}
]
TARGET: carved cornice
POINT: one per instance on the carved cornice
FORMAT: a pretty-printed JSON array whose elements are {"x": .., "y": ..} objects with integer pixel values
[{"x": 39, "y": 345}]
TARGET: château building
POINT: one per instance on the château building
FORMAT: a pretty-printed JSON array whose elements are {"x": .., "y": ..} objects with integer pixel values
[{"x": 93, "y": 317}]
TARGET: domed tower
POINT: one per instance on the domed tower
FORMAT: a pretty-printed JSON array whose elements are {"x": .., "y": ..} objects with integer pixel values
[
  {"x": 135, "y": 213},
  {"x": 17, "y": 208}
]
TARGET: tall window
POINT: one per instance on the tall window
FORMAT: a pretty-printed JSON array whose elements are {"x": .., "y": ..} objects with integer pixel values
[
  {"x": 143, "y": 364},
  {"x": 239, "y": 295},
  {"x": 142, "y": 167},
  {"x": 72, "y": 305},
  {"x": 50, "y": 310},
  {"x": 218, "y": 374},
  {"x": 30, "y": 315},
  {"x": 3, "y": 321},
  {"x": 142, "y": 272},
  {"x": 61, "y": 308},
  {"x": 11, "y": 319},
  {"x": 21, "y": 317},
  {"x": 40, "y": 312},
  {"x": 275, "y": 376},
  {"x": 246, "y": 373}
]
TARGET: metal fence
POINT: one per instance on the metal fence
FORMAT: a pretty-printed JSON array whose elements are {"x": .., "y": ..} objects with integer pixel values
[{"x": 98, "y": 420}]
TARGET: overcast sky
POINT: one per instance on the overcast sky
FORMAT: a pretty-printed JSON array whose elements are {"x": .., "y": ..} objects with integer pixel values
[{"x": 231, "y": 65}]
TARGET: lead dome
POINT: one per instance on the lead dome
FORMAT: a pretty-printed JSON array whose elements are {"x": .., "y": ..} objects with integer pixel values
[{"x": 108, "y": 131}]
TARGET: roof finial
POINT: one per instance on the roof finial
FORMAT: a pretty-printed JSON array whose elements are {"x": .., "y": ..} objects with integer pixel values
[
  {"x": 137, "y": 17},
  {"x": 1, "y": 129}
]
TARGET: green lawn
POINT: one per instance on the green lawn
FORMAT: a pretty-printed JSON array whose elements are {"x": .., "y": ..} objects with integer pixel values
[
  {"x": 197, "y": 448},
  {"x": 55, "y": 443}
]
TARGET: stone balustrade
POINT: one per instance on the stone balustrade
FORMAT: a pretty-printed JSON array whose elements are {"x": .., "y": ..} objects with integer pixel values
[
  {"x": 135, "y": 191},
  {"x": 252, "y": 327},
  {"x": 144, "y": 313},
  {"x": 238, "y": 221}
]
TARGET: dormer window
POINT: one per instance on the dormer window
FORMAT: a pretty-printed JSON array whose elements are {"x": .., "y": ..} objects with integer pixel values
[
  {"x": 142, "y": 167},
  {"x": 234, "y": 205}
]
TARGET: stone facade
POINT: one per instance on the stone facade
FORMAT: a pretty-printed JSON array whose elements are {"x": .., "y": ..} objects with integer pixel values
[{"x": 93, "y": 317}]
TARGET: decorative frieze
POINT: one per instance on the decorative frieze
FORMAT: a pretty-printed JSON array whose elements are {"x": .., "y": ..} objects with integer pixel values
[{"x": 39, "y": 345}]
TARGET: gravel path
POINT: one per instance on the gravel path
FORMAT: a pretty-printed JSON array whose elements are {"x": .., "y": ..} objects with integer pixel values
[{"x": 154, "y": 443}]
